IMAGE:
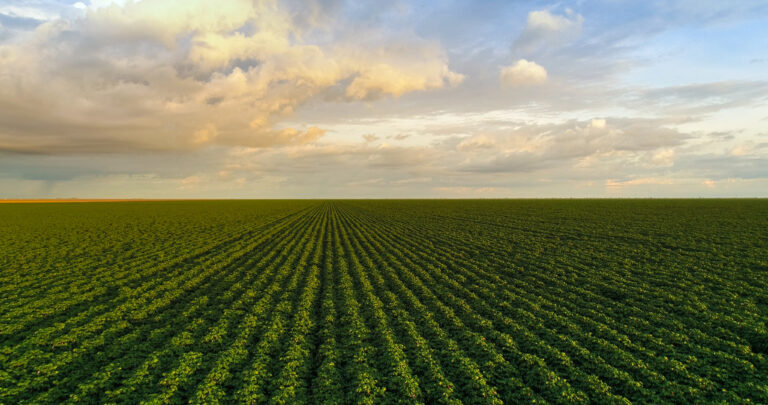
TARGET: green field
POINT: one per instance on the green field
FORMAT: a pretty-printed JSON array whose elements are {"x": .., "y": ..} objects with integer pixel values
[{"x": 546, "y": 301}]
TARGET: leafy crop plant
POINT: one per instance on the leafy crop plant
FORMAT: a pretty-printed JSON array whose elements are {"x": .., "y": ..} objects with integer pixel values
[{"x": 355, "y": 301}]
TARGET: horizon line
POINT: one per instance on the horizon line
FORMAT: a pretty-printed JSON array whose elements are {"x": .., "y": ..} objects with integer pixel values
[{"x": 96, "y": 200}]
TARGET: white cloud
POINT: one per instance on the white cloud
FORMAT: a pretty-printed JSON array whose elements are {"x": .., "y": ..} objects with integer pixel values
[
  {"x": 546, "y": 29},
  {"x": 663, "y": 157},
  {"x": 96, "y": 4},
  {"x": 522, "y": 73}
]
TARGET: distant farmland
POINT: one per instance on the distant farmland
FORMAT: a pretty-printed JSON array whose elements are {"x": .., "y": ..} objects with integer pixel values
[{"x": 546, "y": 301}]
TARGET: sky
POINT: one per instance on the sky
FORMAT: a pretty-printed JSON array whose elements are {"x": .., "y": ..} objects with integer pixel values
[{"x": 372, "y": 99}]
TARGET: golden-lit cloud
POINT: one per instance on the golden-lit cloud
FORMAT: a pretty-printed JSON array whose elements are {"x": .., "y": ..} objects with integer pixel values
[
  {"x": 169, "y": 75},
  {"x": 522, "y": 73}
]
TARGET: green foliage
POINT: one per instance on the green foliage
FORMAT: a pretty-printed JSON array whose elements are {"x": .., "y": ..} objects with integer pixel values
[{"x": 449, "y": 302}]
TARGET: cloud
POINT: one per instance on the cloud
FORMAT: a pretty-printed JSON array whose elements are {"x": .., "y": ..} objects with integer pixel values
[
  {"x": 597, "y": 123},
  {"x": 644, "y": 181},
  {"x": 662, "y": 158},
  {"x": 522, "y": 73},
  {"x": 546, "y": 29},
  {"x": 370, "y": 138},
  {"x": 190, "y": 182},
  {"x": 392, "y": 70},
  {"x": 723, "y": 166},
  {"x": 166, "y": 76},
  {"x": 532, "y": 147},
  {"x": 702, "y": 98},
  {"x": 466, "y": 191},
  {"x": 26, "y": 12},
  {"x": 501, "y": 159},
  {"x": 266, "y": 98}
]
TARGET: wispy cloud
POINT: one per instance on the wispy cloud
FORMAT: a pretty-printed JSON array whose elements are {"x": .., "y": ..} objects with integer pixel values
[{"x": 545, "y": 29}]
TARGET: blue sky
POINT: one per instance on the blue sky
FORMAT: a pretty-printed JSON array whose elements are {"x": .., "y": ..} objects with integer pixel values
[{"x": 251, "y": 99}]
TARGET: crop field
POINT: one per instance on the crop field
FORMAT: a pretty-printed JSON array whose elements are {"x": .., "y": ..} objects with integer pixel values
[{"x": 475, "y": 301}]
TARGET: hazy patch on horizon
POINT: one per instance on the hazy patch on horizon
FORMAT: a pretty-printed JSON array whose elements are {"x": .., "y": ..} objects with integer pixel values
[{"x": 331, "y": 98}]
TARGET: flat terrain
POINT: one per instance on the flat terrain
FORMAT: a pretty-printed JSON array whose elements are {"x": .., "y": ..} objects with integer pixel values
[
  {"x": 73, "y": 200},
  {"x": 560, "y": 301}
]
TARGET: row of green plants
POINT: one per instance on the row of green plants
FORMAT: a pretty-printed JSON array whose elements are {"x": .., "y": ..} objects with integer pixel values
[
  {"x": 369, "y": 302},
  {"x": 680, "y": 365}
]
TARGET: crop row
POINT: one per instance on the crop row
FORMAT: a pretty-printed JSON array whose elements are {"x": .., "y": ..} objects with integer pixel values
[{"x": 389, "y": 302}]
